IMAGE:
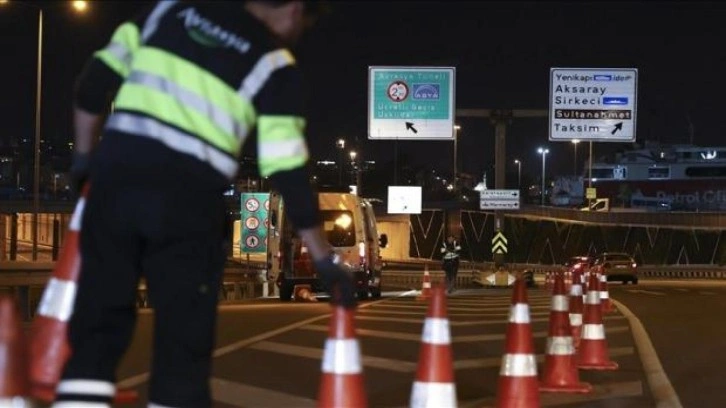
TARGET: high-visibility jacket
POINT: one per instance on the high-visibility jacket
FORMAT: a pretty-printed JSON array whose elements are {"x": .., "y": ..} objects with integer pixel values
[
  {"x": 198, "y": 77},
  {"x": 450, "y": 251}
]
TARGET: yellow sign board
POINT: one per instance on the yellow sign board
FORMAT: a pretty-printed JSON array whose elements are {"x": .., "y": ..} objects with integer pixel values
[{"x": 591, "y": 193}]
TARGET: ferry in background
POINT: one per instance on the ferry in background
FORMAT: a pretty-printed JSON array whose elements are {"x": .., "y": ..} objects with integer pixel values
[{"x": 665, "y": 178}]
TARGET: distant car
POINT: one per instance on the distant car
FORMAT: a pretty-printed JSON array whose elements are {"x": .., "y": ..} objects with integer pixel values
[
  {"x": 579, "y": 262},
  {"x": 617, "y": 266}
]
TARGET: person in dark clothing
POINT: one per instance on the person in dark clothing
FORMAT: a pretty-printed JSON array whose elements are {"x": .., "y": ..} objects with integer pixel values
[
  {"x": 188, "y": 83},
  {"x": 450, "y": 250}
]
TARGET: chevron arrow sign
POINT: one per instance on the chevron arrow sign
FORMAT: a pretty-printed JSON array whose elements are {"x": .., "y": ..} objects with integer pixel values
[{"x": 499, "y": 243}]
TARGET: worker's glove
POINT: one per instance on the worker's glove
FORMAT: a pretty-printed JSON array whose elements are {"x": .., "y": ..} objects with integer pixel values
[
  {"x": 80, "y": 169},
  {"x": 338, "y": 280}
]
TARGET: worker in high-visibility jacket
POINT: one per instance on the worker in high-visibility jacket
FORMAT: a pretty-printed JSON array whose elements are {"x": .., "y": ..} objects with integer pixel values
[
  {"x": 189, "y": 83},
  {"x": 450, "y": 261}
]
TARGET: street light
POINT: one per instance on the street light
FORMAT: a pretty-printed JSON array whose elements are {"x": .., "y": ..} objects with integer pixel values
[
  {"x": 355, "y": 172},
  {"x": 79, "y": 6},
  {"x": 457, "y": 128},
  {"x": 340, "y": 144},
  {"x": 575, "y": 142},
  {"x": 543, "y": 152},
  {"x": 519, "y": 172}
]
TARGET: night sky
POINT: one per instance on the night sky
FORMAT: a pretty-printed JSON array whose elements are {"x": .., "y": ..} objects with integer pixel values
[{"x": 502, "y": 52}]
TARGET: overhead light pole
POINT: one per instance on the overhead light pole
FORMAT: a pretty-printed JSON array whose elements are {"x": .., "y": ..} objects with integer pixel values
[
  {"x": 340, "y": 144},
  {"x": 79, "y": 6},
  {"x": 543, "y": 152}
]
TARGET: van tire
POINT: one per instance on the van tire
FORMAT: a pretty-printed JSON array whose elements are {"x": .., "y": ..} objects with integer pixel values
[
  {"x": 376, "y": 293},
  {"x": 363, "y": 294},
  {"x": 286, "y": 291}
]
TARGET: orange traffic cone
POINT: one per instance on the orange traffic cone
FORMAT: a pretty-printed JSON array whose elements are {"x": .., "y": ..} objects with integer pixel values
[
  {"x": 425, "y": 286},
  {"x": 548, "y": 281},
  {"x": 593, "y": 351},
  {"x": 434, "y": 386},
  {"x": 342, "y": 381},
  {"x": 576, "y": 306},
  {"x": 13, "y": 369},
  {"x": 49, "y": 348},
  {"x": 606, "y": 305},
  {"x": 517, "y": 386},
  {"x": 560, "y": 372},
  {"x": 568, "y": 279}
]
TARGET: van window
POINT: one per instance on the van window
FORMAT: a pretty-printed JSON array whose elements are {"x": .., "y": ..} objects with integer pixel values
[{"x": 339, "y": 227}]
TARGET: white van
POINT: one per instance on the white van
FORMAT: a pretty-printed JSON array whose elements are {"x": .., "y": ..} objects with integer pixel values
[
  {"x": 598, "y": 204},
  {"x": 350, "y": 226}
]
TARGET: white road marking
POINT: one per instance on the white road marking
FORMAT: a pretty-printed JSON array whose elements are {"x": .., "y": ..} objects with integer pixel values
[
  {"x": 660, "y": 385},
  {"x": 460, "y": 309},
  {"x": 493, "y": 362},
  {"x": 316, "y": 353},
  {"x": 420, "y": 320},
  {"x": 144, "y": 377},
  {"x": 381, "y": 334},
  {"x": 454, "y": 314},
  {"x": 647, "y": 292},
  {"x": 401, "y": 366}
]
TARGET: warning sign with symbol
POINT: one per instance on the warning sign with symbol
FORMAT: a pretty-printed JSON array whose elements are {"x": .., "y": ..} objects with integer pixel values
[
  {"x": 252, "y": 223},
  {"x": 255, "y": 207}
]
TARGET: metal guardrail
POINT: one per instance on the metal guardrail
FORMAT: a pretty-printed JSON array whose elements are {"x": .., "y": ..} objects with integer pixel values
[{"x": 674, "y": 219}]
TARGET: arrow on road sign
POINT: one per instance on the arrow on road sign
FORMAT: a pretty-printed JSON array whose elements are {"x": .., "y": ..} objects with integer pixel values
[
  {"x": 499, "y": 243},
  {"x": 618, "y": 126},
  {"x": 409, "y": 126},
  {"x": 499, "y": 237}
]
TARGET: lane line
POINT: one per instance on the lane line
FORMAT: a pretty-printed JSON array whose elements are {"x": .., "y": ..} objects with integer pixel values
[
  {"x": 493, "y": 362},
  {"x": 139, "y": 379},
  {"x": 382, "y": 334},
  {"x": 242, "y": 395},
  {"x": 459, "y": 309},
  {"x": 658, "y": 381},
  {"x": 420, "y": 321},
  {"x": 456, "y": 314},
  {"x": 647, "y": 292},
  {"x": 316, "y": 353}
]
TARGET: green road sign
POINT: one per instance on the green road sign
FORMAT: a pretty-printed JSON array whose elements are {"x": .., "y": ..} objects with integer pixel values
[
  {"x": 415, "y": 103},
  {"x": 254, "y": 222}
]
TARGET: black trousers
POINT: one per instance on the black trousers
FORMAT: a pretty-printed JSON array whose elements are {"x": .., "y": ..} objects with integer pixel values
[
  {"x": 451, "y": 268},
  {"x": 174, "y": 239}
]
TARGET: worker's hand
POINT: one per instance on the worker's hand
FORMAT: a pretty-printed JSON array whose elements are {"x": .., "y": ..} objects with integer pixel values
[
  {"x": 80, "y": 169},
  {"x": 338, "y": 281}
]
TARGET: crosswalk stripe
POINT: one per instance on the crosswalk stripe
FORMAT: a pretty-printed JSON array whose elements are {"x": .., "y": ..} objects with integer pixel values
[
  {"x": 317, "y": 354},
  {"x": 402, "y": 366},
  {"x": 454, "y": 314},
  {"x": 458, "y": 309},
  {"x": 497, "y": 361},
  {"x": 460, "y": 323},
  {"x": 243, "y": 395},
  {"x": 457, "y": 339},
  {"x": 502, "y": 303}
]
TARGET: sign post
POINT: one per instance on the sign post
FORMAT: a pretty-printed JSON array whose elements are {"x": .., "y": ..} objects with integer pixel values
[{"x": 411, "y": 103}]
